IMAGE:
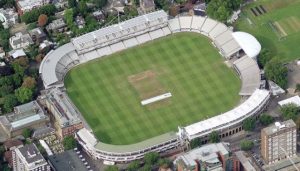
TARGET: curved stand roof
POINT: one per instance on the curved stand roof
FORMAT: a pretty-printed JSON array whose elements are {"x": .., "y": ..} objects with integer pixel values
[{"x": 248, "y": 43}]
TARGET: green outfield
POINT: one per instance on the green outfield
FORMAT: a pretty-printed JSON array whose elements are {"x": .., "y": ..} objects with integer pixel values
[
  {"x": 108, "y": 91},
  {"x": 277, "y": 28}
]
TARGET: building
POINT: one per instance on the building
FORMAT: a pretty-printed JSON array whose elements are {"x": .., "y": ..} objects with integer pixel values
[
  {"x": 243, "y": 163},
  {"x": 29, "y": 158},
  {"x": 208, "y": 157},
  {"x": 8, "y": 17},
  {"x": 37, "y": 35},
  {"x": 9, "y": 146},
  {"x": 279, "y": 141},
  {"x": 29, "y": 115},
  {"x": 68, "y": 160},
  {"x": 28, "y": 5},
  {"x": 200, "y": 9},
  {"x": 20, "y": 40},
  {"x": 56, "y": 26},
  {"x": 16, "y": 53},
  {"x": 65, "y": 116},
  {"x": 98, "y": 15},
  {"x": 147, "y": 6},
  {"x": 80, "y": 22}
]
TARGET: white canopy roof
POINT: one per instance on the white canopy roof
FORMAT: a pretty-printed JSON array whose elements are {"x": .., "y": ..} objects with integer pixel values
[
  {"x": 294, "y": 100},
  {"x": 248, "y": 43}
]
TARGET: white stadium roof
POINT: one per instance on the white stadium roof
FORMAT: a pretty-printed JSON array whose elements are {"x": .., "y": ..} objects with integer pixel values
[
  {"x": 249, "y": 43},
  {"x": 231, "y": 117}
]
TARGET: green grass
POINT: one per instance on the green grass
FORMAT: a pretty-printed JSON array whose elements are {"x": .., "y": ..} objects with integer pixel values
[
  {"x": 277, "y": 10},
  {"x": 186, "y": 64}
]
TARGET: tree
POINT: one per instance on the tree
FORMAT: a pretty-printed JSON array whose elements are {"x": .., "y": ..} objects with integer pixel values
[
  {"x": 180, "y": 1},
  {"x": 39, "y": 58},
  {"x": 100, "y": 3},
  {"x": 72, "y": 3},
  {"x": 5, "y": 90},
  {"x": 214, "y": 137},
  {"x": 146, "y": 167},
  {"x": 22, "y": 61},
  {"x": 82, "y": 7},
  {"x": 18, "y": 69},
  {"x": 29, "y": 82},
  {"x": 277, "y": 72},
  {"x": 17, "y": 78},
  {"x": 69, "y": 142},
  {"x": 4, "y": 37},
  {"x": 246, "y": 145},
  {"x": 298, "y": 87},
  {"x": 264, "y": 57},
  {"x": 265, "y": 119},
  {"x": 219, "y": 10},
  {"x": 133, "y": 166},
  {"x": 290, "y": 111},
  {"x": 151, "y": 158},
  {"x": 23, "y": 94},
  {"x": 249, "y": 124},
  {"x": 9, "y": 102},
  {"x": 42, "y": 20},
  {"x": 26, "y": 133},
  {"x": 164, "y": 163},
  {"x": 33, "y": 15},
  {"x": 162, "y": 4},
  {"x": 5, "y": 70},
  {"x": 195, "y": 143},
  {"x": 112, "y": 168}
]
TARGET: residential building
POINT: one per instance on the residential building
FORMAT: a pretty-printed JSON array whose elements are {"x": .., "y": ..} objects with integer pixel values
[
  {"x": 2, "y": 52},
  {"x": 28, "y": 5},
  {"x": 29, "y": 115},
  {"x": 37, "y": 35},
  {"x": 58, "y": 25},
  {"x": 243, "y": 163},
  {"x": 8, "y": 17},
  {"x": 147, "y": 6},
  {"x": 68, "y": 160},
  {"x": 16, "y": 53},
  {"x": 29, "y": 158},
  {"x": 279, "y": 141},
  {"x": 20, "y": 40},
  {"x": 99, "y": 16},
  {"x": 80, "y": 22},
  {"x": 12, "y": 144},
  {"x": 208, "y": 157},
  {"x": 65, "y": 116}
]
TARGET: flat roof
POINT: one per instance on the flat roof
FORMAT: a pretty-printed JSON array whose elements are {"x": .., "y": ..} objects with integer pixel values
[
  {"x": 249, "y": 43},
  {"x": 277, "y": 126},
  {"x": 294, "y": 100},
  {"x": 67, "y": 160}
]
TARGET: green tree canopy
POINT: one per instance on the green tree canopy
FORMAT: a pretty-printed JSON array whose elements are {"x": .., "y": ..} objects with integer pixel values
[
  {"x": 195, "y": 143},
  {"x": 246, "y": 145},
  {"x": 264, "y": 57},
  {"x": 222, "y": 9},
  {"x": 112, "y": 168},
  {"x": 9, "y": 102},
  {"x": 133, "y": 166},
  {"x": 146, "y": 167},
  {"x": 33, "y": 15},
  {"x": 69, "y": 142},
  {"x": 214, "y": 137},
  {"x": 277, "y": 72},
  {"x": 249, "y": 124},
  {"x": 151, "y": 158},
  {"x": 72, "y": 3},
  {"x": 100, "y": 3},
  {"x": 265, "y": 119},
  {"x": 82, "y": 7},
  {"x": 164, "y": 163},
  {"x": 23, "y": 94},
  {"x": 290, "y": 111},
  {"x": 26, "y": 133}
]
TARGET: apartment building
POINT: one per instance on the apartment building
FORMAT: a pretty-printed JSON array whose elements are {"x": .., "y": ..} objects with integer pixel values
[{"x": 279, "y": 141}]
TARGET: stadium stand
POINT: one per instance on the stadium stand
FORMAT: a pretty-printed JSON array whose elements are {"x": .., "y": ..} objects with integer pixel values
[
  {"x": 249, "y": 72},
  {"x": 250, "y": 107},
  {"x": 139, "y": 30}
]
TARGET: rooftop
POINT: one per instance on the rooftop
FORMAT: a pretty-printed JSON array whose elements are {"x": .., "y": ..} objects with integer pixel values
[
  {"x": 31, "y": 153},
  {"x": 244, "y": 161},
  {"x": 67, "y": 160},
  {"x": 277, "y": 126},
  {"x": 292, "y": 100},
  {"x": 249, "y": 43}
]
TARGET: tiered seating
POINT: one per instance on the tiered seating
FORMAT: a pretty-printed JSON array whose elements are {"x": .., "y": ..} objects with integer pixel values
[
  {"x": 104, "y": 51},
  {"x": 185, "y": 23},
  {"x": 143, "y": 38},
  {"x": 223, "y": 38},
  {"x": 117, "y": 47},
  {"x": 208, "y": 25},
  {"x": 249, "y": 73},
  {"x": 197, "y": 23},
  {"x": 73, "y": 55},
  {"x": 216, "y": 31},
  {"x": 91, "y": 55},
  {"x": 130, "y": 42},
  {"x": 156, "y": 34},
  {"x": 166, "y": 30},
  {"x": 174, "y": 25},
  {"x": 230, "y": 48}
]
